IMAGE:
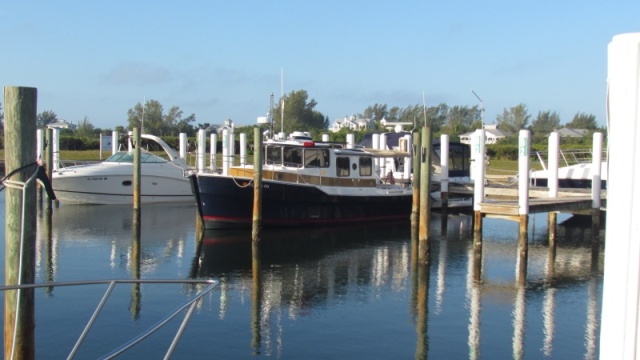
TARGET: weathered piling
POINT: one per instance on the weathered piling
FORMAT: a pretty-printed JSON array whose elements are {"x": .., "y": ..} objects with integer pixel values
[
  {"x": 415, "y": 184},
  {"x": 257, "y": 185},
  {"x": 136, "y": 169},
  {"x": 425, "y": 193},
  {"x": 20, "y": 111},
  {"x": 523, "y": 204}
]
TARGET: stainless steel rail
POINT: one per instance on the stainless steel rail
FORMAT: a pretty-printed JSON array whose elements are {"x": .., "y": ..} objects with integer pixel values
[{"x": 191, "y": 304}]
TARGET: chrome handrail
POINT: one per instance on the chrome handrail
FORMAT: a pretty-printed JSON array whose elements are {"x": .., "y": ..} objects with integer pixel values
[{"x": 191, "y": 304}]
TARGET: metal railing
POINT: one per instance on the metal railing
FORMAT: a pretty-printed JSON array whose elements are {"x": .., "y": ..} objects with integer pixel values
[{"x": 190, "y": 304}]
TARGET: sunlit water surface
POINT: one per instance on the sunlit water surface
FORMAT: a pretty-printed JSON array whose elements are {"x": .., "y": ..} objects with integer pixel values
[{"x": 348, "y": 292}]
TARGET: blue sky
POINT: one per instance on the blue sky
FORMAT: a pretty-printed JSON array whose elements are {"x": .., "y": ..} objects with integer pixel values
[{"x": 223, "y": 60}]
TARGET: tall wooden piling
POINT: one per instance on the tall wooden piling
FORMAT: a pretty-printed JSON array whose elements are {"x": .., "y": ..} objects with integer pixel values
[
  {"x": 523, "y": 249},
  {"x": 20, "y": 111},
  {"x": 425, "y": 193},
  {"x": 257, "y": 185},
  {"x": 415, "y": 184},
  {"x": 136, "y": 169}
]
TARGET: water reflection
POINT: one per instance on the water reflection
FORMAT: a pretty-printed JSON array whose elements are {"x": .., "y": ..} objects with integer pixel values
[{"x": 316, "y": 276}]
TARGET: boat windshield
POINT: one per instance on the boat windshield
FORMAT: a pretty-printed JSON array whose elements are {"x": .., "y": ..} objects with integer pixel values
[{"x": 127, "y": 157}]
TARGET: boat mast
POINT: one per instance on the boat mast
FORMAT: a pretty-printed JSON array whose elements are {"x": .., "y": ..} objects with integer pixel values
[{"x": 282, "y": 107}]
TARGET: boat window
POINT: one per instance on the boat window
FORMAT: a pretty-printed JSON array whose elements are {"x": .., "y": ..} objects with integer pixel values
[
  {"x": 274, "y": 155},
  {"x": 127, "y": 157},
  {"x": 365, "y": 166},
  {"x": 342, "y": 166},
  {"x": 293, "y": 156},
  {"x": 316, "y": 158}
]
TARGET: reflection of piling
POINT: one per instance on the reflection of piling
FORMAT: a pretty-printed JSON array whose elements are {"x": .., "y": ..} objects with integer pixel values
[
  {"x": 425, "y": 195},
  {"x": 257, "y": 184},
  {"x": 523, "y": 249},
  {"x": 20, "y": 226},
  {"x": 50, "y": 266},
  {"x": 477, "y": 256},
  {"x": 135, "y": 264},
  {"x": 422, "y": 346},
  {"x": 256, "y": 298}
]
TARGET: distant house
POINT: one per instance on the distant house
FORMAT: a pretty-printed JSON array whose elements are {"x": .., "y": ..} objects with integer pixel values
[
  {"x": 572, "y": 133},
  {"x": 394, "y": 125},
  {"x": 351, "y": 123},
  {"x": 62, "y": 124},
  {"x": 491, "y": 135}
]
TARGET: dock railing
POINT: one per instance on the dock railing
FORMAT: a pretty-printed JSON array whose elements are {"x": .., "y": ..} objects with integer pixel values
[{"x": 190, "y": 305}]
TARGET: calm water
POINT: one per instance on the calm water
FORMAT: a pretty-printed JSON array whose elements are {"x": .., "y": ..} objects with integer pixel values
[{"x": 349, "y": 292}]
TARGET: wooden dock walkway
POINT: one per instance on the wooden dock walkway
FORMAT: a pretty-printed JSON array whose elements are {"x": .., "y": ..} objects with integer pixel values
[{"x": 502, "y": 201}]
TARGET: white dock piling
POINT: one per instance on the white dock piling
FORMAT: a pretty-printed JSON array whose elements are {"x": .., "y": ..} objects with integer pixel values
[
  {"x": 225, "y": 152},
  {"x": 596, "y": 170},
  {"x": 552, "y": 164},
  {"x": 201, "y": 151},
  {"x": 524, "y": 144},
  {"x": 183, "y": 145},
  {"x": 213, "y": 151},
  {"x": 115, "y": 142},
  {"x": 621, "y": 291},
  {"x": 243, "y": 149}
]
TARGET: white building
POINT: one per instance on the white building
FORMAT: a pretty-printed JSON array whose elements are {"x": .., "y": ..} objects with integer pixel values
[
  {"x": 351, "y": 123},
  {"x": 491, "y": 135}
]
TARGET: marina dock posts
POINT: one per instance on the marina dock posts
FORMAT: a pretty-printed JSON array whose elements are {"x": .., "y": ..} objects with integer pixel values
[
  {"x": 213, "y": 150},
  {"x": 383, "y": 161},
  {"x": 524, "y": 145},
  {"x": 182, "y": 137},
  {"x": 48, "y": 162},
  {"x": 478, "y": 169},
  {"x": 596, "y": 184},
  {"x": 552, "y": 164},
  {"x": 425, "y": 194},
  {"x": 40, "y": 158},
  {"x": 415, "y": 184},
  {"x": 225, "y": 151},
  {"x": 257, "y": 185},
  {"x": 444, "y": 175},
  {"x": 351, "y": 140},
  {"x": 375, "y": 144},
  {"x": 201, "y": 151},
  {"x": 621, "y": 291},
  {"x": 243, "y": 149},
  {"x": 20, "y": 112},
  {"x": 56, "y": 148},
  {"x": 115, "y": 142}
]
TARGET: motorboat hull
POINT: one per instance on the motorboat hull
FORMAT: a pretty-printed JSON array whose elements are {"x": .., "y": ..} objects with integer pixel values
[
  {"x": 113, "y": 184},
  {"x": 227, "y": 202}
]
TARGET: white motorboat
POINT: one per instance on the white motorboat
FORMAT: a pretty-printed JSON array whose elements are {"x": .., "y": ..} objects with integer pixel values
[
  {"x": 162, "y": 176},
  {"x": 576, "y": 173}
]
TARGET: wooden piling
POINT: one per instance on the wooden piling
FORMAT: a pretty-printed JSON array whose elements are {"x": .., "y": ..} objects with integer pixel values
[
  {"x": 425, "y": 193},
  {"x": 136, "y": 169},
  {"x": 415, "y": 184},
  {"x": 20, "y": 111},
  {"x": 257, "y": 184}
]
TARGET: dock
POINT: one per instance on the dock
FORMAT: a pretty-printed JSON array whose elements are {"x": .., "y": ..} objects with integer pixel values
[{"x": 502, "y": 201}]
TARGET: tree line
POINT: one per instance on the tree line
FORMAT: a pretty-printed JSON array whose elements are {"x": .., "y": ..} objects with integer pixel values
[{"x": 299, "y": 113}]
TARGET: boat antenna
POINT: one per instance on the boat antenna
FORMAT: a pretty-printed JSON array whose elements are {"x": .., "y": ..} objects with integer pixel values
[
  {"x": 282, "y": 94},
  {"x": 271, "y": 114},
  {"x": 481, "y": 107},
  {"x": 424, "y": 108}
]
